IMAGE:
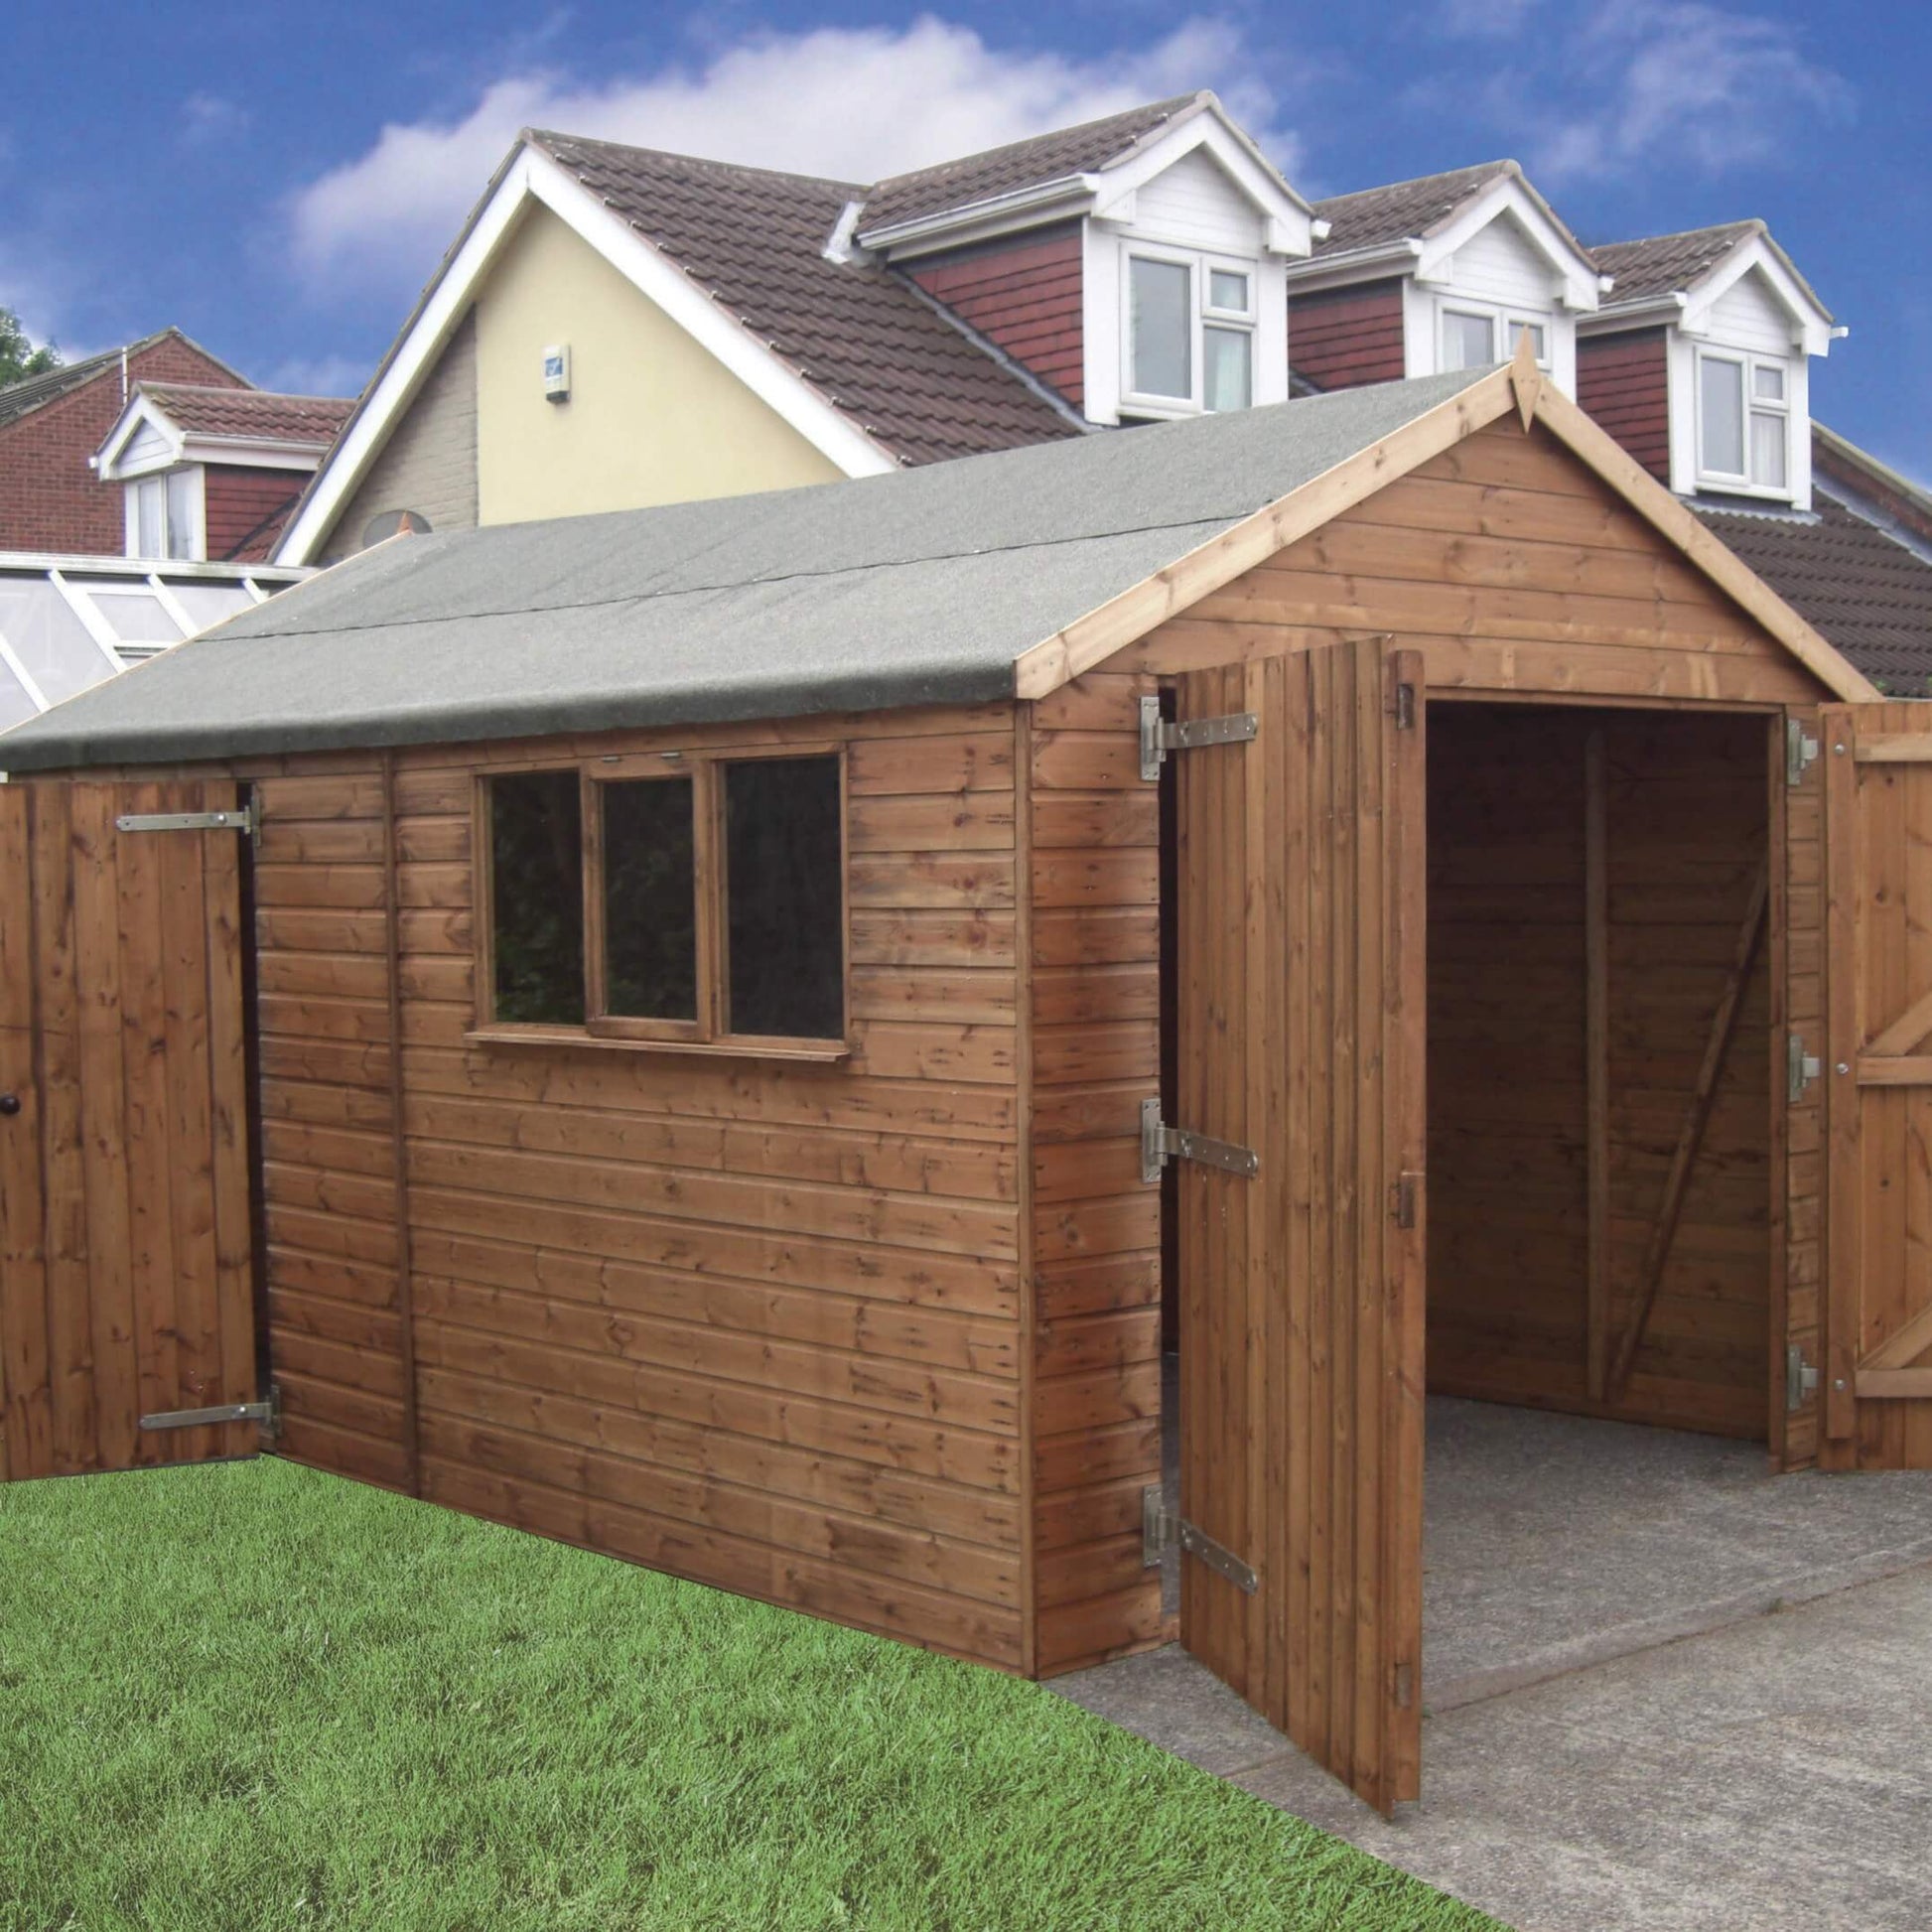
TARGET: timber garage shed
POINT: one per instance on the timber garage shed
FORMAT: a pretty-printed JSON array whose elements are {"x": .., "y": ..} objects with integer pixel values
[{"x": 736, "y": 1034}]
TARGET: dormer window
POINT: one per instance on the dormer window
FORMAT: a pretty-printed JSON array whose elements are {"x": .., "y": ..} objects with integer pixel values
[
  {"x": 1189, "y": 332},
  {"x": 1473, "y": 336},
  {"x": 1744, "y": 422},
  {"x": 164, "y": 515}
]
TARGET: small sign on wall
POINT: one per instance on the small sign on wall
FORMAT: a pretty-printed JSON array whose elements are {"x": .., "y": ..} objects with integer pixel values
[{"x": 556, "y": 372}]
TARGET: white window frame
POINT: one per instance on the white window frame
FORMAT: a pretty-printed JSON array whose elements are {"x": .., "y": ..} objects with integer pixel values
[
  {"x": 1504, "y": 323},
  {"x": 1742, "y": 484},
  {"x": 1200, "y": 268},
  {"x": 196, "y": 514}
]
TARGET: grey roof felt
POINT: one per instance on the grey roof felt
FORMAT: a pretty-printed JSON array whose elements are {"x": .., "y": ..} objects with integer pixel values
[{"x": 917, "y": 588}]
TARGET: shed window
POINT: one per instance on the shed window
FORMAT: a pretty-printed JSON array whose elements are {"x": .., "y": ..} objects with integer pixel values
[
  {"x": 694, "y": 898},
  {"x": 537, "y": 901}
]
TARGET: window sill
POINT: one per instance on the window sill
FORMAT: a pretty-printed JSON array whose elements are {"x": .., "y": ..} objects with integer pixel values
[{"x": 825, "y": 1051}]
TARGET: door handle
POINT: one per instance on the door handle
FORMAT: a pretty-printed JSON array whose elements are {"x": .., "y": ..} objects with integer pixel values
[{"x": 9, "y": 1104}]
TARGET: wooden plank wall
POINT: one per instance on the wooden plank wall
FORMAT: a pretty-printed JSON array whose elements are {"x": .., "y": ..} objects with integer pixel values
[
  {"x": 1685, "y": 836},
  {"x": 1513, "y": 569},
  {"x": 1096, "y": 1045},
  {"x": 754, "y": 1322},
  {"x": 124, "y": 1236}
]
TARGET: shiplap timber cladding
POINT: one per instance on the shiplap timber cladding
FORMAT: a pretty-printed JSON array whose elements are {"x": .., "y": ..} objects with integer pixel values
[
  {"x": 753, "y": 1321},
  {"x": 1096, "y": 1048},
  {"x": 125, "y": 1284},
  {"x": 1878, "y": 877}
]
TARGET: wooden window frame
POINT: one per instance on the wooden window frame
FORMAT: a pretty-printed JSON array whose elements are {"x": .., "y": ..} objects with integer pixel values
[{"x": 709, "y": 1032}]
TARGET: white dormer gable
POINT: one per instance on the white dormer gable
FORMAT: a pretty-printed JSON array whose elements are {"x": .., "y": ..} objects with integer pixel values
[
  {"x": 1185, "y": 298},
  {"x": 143, "y": 439}
]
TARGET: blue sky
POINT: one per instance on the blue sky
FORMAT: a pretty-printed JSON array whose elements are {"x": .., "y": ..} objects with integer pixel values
[{"x": 280, "y": 181}]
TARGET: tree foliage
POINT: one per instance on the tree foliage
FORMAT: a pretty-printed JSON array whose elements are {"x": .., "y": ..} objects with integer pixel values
[{"x": 19, "y": 358}]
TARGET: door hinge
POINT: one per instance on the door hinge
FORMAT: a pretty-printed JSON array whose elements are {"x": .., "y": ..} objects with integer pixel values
[
  {"x": 243, "y": 819},
  {"x": 1800, "y": 749},
  {"x": 1160, "y": 735},
  {"x": 1163, "y": 1529},
  {"x": 1402, "y": 707},
  {"x": 1800, "y": 1068},
  {"x": 1800, "y": 1379},
  {"x": 1404, "y": 1195},
  {"x": 1159, "y": 1143},
  {"x": 268, "y": 1414}
]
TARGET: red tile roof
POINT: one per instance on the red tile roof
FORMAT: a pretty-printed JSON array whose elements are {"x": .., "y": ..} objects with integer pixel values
[
  {"x": 1019, "y": 163},
  {"x": 1403, "y": 209},
  {"x": 250, "y": 414},
  {"x": 876, "y": 347}
]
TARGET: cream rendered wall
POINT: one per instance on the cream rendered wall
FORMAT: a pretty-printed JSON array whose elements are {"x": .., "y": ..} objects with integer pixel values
[{"x": 652, "y": 417}]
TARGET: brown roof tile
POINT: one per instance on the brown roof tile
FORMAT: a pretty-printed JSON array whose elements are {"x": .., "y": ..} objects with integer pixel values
[
  {"x": 1394, "y": 213},
  {"x": 250, "y": 413},
  {"x": 861, "y": 335},
  {"x": 1866, "y": 592},
  {"x": 1019, "y": 163},
  {"x": 1662, "y": 264}
]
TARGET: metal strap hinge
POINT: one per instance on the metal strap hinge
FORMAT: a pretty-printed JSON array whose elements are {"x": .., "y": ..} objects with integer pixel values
[
  {"x": 1403, "y": 707},
  {"x": 268, "y": 1414},
  {"x": 1160, "y": 735},
  {"x": 1161, "y": 1143},
  {"x": 242, "y": 820},
  {"x": 1800, "y": 749},
  {"x": 1800, "y": 1068},
  {"x": 1800, "y": 1379},
  {"x": 1163, "y": 1529}
]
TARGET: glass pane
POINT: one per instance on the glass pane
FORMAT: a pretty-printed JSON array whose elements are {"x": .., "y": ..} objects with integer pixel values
[
  {"x": 1722, "y": 390},
  {"x": 48, "y": 639},
  {"x": 1469, "y": 342},
  {"x": 1228, "y": 354},
  {"x": 784, "y": 896},
  {"x": 151, "y": 501},
  {"x": 181, "y": 512},
  {"x": 1767, "y": 382},
  {"x": 210, "y": 603},
  {"x": 651, "y": 907},
  {"x": 136, "y": 618},
  {"x": 1163, "y": 327},
  {"x": 1227, "y": 290},
  {"x": 537, "y": 853},
  {"x": 1768, "y": 449},
  {"x": 16, "y": 707},
  {"x": 1519, "y": 326}
]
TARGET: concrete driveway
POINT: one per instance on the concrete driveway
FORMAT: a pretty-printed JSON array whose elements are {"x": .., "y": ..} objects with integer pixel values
[{"x": 1663, "y": 1691}]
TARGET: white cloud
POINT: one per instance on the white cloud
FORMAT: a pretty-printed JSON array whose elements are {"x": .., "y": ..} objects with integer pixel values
[
  {"x": 1667, "y": 82},
  {"x": 851, "y": 103},
  {"x": 1484, "y": 20},
  {"x": 319, "y": 376}
]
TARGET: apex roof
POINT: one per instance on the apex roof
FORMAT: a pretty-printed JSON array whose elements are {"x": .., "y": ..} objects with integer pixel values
[
  {"x": 249, "y": 413},
  {"x": 873, "y": 346},
  {"x": 18, "y": 399},
  {"x": 1000, "y": 171},
  {"x": 1402, "y": 210},
  {"x": 1674, "y": 264}
]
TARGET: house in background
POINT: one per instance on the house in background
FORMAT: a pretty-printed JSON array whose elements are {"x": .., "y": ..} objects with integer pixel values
[
  {"x": 616, "y": 327},
  {"x": 142, "y": 493}
]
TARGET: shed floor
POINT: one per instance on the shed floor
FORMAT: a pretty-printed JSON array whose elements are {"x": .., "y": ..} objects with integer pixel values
[{"x": 1617, "y": 1735}]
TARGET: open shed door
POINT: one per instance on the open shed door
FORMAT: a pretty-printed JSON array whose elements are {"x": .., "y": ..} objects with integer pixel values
[
  {"x": 125, "y": 1284},
  {"x": 1878, "y": 1069},
  {"x": 1301, "y": 926}
]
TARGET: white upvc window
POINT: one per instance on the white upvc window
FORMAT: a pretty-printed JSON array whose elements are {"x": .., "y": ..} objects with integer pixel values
[
  {"x": 1188, "y": 332},
  {"x": 1744, "y": 422},
  {"x": 164, "y": 515},
  {"x": 1475, "y": 336}
]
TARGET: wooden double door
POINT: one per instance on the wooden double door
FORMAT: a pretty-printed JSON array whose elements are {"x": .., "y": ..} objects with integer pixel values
[
  {"x": 1300, "y": 1002},
  {"x": 126, "y": 1278}
]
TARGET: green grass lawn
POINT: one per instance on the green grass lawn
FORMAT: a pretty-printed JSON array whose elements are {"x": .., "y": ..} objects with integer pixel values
[{"x": 255, "y": 1697}]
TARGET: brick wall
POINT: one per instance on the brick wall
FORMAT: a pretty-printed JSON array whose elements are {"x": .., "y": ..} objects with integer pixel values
[
  {"x": 246, "y": 509},
  {"x": 49, "y": 498},
  {"x": 1831, "y": 468},
  {"x": 1342, "y": 338},
  {"x": 1023, "y": 296},
  {"x": 1624, "y": 382}
]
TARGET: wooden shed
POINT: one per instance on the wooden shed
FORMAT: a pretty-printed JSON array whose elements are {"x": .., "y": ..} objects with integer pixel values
[{"x": 738, "y": 1036}]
